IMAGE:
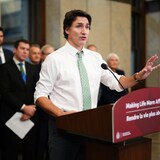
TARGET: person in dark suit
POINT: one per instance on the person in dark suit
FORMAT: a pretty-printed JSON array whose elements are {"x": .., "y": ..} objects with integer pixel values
[
  {"x": 106, "y": 95},
  {"x": 5, "y": 54},
  {"x": 17, "y": 96}
]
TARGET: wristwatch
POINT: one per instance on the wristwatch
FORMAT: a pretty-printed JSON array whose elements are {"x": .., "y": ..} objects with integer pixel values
[{"x": 135, "y": 78}]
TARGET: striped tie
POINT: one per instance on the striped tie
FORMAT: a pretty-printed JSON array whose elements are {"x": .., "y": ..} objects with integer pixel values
[
  {"x": 22, "y": 71},
  {"x": 84, "y": 83}
]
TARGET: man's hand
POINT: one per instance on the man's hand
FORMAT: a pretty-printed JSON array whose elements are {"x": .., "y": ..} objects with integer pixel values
[
  {"x": 149, "y": 67},
  {"x": 29, "y": 110},
  {"x": 25, "y": 117}
]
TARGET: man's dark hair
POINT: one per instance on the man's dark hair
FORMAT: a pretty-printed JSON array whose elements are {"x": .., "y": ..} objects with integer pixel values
[
  {"x": 70, "y": 18},
  {"x": 1, "y": 29},
  {"x": 19, "y": 41}
]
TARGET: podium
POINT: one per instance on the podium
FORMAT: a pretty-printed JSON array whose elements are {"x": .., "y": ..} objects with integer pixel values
[{"x": 115, "y": 132}]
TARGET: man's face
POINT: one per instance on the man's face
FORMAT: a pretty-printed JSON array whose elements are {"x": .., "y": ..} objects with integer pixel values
[
  {"x": 22, "y": 51},
  {"x": 46, "y": 52},
  {"x": 92, "y": 48},
  {"x": 35, "y": 55},
  {"x": 113, "y": 63},
  {"x": 78, "y": 32},
  {"x": 1, "y": 38}
]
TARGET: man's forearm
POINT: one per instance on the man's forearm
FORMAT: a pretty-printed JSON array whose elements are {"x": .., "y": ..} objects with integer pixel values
[{"x": 49, "y": 107}]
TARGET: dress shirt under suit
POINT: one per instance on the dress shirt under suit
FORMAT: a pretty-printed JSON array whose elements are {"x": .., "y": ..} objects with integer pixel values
[{"x": 15, "y": 93}]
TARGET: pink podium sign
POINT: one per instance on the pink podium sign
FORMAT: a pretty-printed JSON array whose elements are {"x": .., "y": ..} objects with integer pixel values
[{"x": 136, "y": 114}]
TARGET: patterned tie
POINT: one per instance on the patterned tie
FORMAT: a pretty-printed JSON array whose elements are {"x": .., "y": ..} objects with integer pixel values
[
  {"x": 22, "y": 71},
  {"x": 84, "y": 83}
]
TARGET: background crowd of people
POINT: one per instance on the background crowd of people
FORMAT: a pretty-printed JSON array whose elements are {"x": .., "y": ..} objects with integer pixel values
[{"x": 16, "y": 95}]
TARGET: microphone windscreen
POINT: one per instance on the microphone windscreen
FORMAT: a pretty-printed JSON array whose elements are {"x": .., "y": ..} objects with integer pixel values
[{"x": 104, "y": 66}]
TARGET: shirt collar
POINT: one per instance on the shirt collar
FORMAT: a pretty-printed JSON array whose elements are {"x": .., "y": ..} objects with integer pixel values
[
  {"x": 71, "y": 49},
  {"x": 1, "y": 50},
  {"x": 16, "y": 61}
]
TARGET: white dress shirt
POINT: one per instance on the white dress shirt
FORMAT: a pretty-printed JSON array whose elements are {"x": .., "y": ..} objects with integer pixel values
[
  {"x": 60, "y": 79},
  {"x": 17, "y": 63},
  {"x": 2, "y": 55}
]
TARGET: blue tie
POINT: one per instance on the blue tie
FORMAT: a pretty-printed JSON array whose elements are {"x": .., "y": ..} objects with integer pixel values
[
  {"x": 22, "y": 71},
  {"x": 84, "y": 83}
]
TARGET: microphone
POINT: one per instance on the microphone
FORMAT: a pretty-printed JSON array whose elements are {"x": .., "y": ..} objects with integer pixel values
[{"x": 105, "y": 67}]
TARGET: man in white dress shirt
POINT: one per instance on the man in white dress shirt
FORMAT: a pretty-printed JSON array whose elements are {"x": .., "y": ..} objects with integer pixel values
[{"x": 60, "y": 80}]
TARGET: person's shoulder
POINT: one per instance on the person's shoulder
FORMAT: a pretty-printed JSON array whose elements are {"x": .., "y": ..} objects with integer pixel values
[
  {"x": 30, "y": 64},
  {"x": 33, "y": 67},
  {"x": 9, "y": 62},
  {"x": 56, "y": 55},
  {"x": 7, "y": 51},
  {"x": 7, "y": 65},
  {"x": 27, "y": 64}
]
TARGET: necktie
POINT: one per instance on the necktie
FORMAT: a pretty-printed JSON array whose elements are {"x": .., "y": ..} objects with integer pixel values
[
  {"x": 22, "y": 71},
  {"x": 84, "y": 83}
]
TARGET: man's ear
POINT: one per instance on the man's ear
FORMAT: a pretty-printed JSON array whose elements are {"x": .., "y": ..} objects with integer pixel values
[
  {"x": 14, "y": 50},
  {"x": 67, "y": 30}
]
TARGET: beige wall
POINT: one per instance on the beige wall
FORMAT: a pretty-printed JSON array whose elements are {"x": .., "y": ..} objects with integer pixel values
[
  {"x": 110, "y": 29},
  {"x": 53, "y": 31},
  {"x": 153, "y": 45}
]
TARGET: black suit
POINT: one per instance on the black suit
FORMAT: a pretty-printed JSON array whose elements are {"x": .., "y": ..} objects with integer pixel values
[
  {"x": 107, "y": 95},
  {"x": 7, "y": 54},
  {"x": 15, "y": 93}
]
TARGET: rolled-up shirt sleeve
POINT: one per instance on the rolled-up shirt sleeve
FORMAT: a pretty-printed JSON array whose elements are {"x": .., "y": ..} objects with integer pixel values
[
  {"x": 109, "y": 80},
  {"x": 46, "y": 81}
]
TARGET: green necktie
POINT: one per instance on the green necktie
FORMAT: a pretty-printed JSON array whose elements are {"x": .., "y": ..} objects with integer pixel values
[
  {"x": 22, "y": 71},
  {"x": 84, "y": 83}
]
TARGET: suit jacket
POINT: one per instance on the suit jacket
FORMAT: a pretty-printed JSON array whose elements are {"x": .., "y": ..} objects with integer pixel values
[
  {"x": 107, "y": 96},
  {"x": 14, "y": 91},
  {"x": 7, "y": 54}
]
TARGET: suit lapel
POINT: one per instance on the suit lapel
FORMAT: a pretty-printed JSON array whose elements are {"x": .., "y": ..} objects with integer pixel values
[
  {"x": 16, "y": 72},
  {"x": 28, "y": 72}
]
